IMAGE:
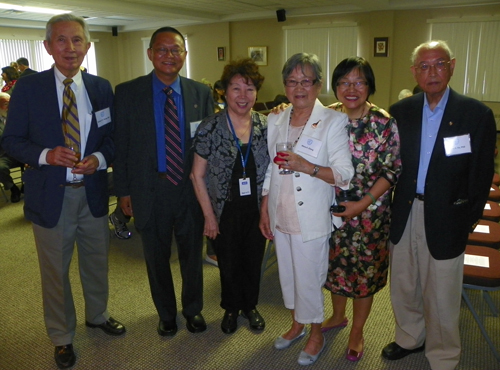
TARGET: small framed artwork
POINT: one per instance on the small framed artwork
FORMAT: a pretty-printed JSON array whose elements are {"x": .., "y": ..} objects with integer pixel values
[
  {"x": 381, "y": 46},
  {"x": 221, "y": 53},
  {"x": 258, "y": 54}
]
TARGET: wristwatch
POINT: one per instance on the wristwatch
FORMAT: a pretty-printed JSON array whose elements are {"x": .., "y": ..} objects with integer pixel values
[{"x": 315, "y": 171}]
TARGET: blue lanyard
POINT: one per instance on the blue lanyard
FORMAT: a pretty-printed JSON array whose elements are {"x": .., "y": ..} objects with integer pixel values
[{"x": 249, "y": 147}]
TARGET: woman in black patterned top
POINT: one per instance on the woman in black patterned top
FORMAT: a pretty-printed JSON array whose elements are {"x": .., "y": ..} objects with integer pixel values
[{"x": 228, "y": 173}]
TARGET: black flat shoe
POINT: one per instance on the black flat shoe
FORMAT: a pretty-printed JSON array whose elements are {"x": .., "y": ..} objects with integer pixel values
[
  {"x": 229, "y": 322},
  {"x": 64, "y": 356},
  {"x": 167, "y": 328},
  {"x": 15, "y": 194},
  {"x": 110, "y": 327},
  {"x": 196, "y": 324},
  {"x": 394, "y": 351},
  {"x": 255, "y": 320}
]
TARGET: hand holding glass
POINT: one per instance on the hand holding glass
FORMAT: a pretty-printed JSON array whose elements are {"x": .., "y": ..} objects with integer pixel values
[
  {"x": 284, "y": 147},
  {"x": 76, "y": 148}
]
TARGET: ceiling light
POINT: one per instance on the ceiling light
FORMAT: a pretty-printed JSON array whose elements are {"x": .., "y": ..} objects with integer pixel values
[{"x": 32, "y": 9}]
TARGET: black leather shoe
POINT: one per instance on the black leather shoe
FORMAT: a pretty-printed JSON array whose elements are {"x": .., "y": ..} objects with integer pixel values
[
  {"x": 64, "y": 356},
  {"x": 255, "y": 320},
  {"x": 15, "y": 194},
  {"x": 167, "y": 328},
  {"x": 196, "y": 324},
  {"x": 229, "y": 322},
  {"x": 110, "y": 327},
  {"x": 394, "y": 351}
]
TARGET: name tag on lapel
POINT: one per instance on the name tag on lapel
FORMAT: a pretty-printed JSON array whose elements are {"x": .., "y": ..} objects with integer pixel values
[
  {"x": 103, "y": 117},
  {"x": 309, "y": 146},
  {"x": 456, "y": 145}
]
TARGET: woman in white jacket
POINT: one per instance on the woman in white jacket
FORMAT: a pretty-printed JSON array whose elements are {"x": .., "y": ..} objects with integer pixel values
[{"x": 295, "y": 209}]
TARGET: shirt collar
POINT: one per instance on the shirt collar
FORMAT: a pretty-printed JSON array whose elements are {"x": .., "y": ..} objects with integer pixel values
[
  {"x": 442, "y": 103},
  {"x": 77, "y": 79},
  {"x": 158, "y": 85}
]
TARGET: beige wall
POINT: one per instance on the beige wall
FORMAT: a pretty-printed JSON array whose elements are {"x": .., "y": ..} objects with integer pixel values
[{"x": 120, "y": 58}]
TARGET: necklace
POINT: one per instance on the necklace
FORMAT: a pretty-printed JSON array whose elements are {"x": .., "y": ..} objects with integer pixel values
[{"x": 301, "y": 131}]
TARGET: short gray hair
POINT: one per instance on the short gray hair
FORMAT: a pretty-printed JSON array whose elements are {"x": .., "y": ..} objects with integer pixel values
[
  {"x": 430, "y": 45},
  {"x": 302, "y": 60},
  {"x": 67, "y": 17}
]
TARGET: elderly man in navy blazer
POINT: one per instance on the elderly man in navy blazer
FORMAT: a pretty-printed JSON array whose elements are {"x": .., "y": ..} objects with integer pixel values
[
  {"x": 156, "y": 117},
  {"x": 447, "y": 151},
  {"x": 66, "y": 198}
]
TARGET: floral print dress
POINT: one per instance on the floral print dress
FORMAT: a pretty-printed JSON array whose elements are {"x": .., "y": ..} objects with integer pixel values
[{"x": 359, "y": 255}]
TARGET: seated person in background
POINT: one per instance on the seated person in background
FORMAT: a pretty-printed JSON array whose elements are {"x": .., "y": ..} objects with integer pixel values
[
  {"x": 218, "y": 94},
  {"x": 24, "y": 67},
  {"x": 404, "y": 94},
  {"x": 7, "y": 162},
  {"x": 9, "y": 76}
]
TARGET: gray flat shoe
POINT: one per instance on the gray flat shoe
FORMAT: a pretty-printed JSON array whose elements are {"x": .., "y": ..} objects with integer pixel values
[{"x": 282, "y": 343}]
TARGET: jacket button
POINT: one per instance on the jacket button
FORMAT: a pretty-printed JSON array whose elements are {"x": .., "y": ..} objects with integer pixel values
[
  {"x": 299, "y": 188},
  {"x": 300, "y": 203}
]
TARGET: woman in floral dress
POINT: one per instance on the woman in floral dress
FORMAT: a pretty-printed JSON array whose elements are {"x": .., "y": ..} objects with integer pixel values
[{"x": 359, "y": 255}]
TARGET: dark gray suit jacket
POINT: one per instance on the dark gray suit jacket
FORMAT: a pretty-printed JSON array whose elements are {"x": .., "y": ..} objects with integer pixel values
[
  {"x": 456, "y": 187},
  {"x": 135, "y": 165}
]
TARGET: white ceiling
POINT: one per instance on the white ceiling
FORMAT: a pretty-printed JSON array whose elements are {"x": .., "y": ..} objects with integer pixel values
[{"x": 133, "y": 15}]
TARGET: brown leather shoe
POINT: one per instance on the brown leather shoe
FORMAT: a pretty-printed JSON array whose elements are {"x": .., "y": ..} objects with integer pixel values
[
  {"x": 110, "y": 327},
  {"x": 64, "y": 356}
]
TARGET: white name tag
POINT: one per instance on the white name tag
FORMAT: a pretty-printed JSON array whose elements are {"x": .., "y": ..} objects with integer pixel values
[
  {"x": 309, "y": 145},
  {"x": 245, "y": 187},
  {"x": 457, "y": 145},
  {"x": 473, "y": 260},
  {"x": 103, "y": 117},
  {"x": 193, "y": 126}
]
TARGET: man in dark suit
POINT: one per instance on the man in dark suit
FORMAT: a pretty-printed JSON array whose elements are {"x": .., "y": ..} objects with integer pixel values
[
  {"x": 63, "y": 210},
  {"x": 24, "y": 67},
  {"x": 447, "y": 154},
  {"x": 151, "y": 174}
]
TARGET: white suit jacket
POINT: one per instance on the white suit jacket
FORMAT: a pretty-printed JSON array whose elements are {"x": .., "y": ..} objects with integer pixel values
[{"x": 312, "y": 196}]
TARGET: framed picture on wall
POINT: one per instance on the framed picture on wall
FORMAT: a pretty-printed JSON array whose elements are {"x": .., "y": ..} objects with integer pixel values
[
  {"x": 258, "y": 54},
  {"x": 380, "y": 46},
  {"x": 221, "y": 53}
]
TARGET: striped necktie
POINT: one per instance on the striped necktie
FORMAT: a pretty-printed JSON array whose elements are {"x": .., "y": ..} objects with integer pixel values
[
  {"x": 71, "y": 126},
  {"x": 175, "y": 162}
]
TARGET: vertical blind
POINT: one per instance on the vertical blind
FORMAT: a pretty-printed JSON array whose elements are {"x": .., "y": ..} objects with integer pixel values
[
  {"x": 475, "y": 46},
  {"x": 330, "y": 44}
]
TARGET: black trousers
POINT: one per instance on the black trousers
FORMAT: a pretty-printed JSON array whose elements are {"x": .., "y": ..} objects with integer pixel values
[
  {"x": 175, "y": 212},
  {"x": 240, "y": 249}
]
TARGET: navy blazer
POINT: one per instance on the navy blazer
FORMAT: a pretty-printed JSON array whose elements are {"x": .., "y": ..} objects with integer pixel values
[
  {"x": 456, "y": 187},
  {"x": 135, "y": 165},
  {"x": 34, "y": 123}
]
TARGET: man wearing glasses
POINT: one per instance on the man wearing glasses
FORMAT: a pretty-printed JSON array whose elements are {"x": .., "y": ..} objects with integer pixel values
[
  {"x": 156, "y": 116},
  {"x": 447, "y": 151}
]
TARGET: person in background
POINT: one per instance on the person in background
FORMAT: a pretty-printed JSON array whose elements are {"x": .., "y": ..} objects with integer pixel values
[
  {"x": 359, "y": 256},
  {"x": 230, "y": 164},
  {"x": 447, "y": 150},
  {"x": 6, "y": 161},
  {"x": 151, "y": 175},
  {"x": 10, "y": 75},
  {"x": 24, "y": 67},
  {"x": 218, "y": 94},
  {"x": 66, "y": 198},
  {"x": 295, "y": 209},
  {"x": 404, "y": 94}
]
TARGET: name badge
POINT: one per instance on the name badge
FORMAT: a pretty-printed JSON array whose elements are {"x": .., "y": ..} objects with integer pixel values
[
  {"x": 457, "y": 145},
  {"x": 309, "y": 146},
  {"x": 245, "y": 187},
  {"x": 193, "y": 126},
  {"x": 103, "y": 117}
]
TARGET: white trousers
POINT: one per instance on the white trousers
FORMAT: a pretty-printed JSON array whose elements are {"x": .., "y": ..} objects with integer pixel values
[
  {"x": 426, "y": 295},
  {"x": 302, "y": 269}
]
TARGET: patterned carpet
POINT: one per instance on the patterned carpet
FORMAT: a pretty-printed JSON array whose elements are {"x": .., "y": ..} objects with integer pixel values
[{"x": 24, "y": 344}]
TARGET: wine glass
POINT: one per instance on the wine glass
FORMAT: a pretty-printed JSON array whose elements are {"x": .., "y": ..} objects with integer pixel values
[
  {"x": 284, "y": 147},
  {"x": 75, "y": 147}
]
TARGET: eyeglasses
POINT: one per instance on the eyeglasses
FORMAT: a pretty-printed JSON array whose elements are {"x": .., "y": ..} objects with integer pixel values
[
  {"x": 303, "y": 83},
  {"x": 163, "y": 51},
  {"x": 440, "y": 65},
  {"x": 358, "y": 85}
]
